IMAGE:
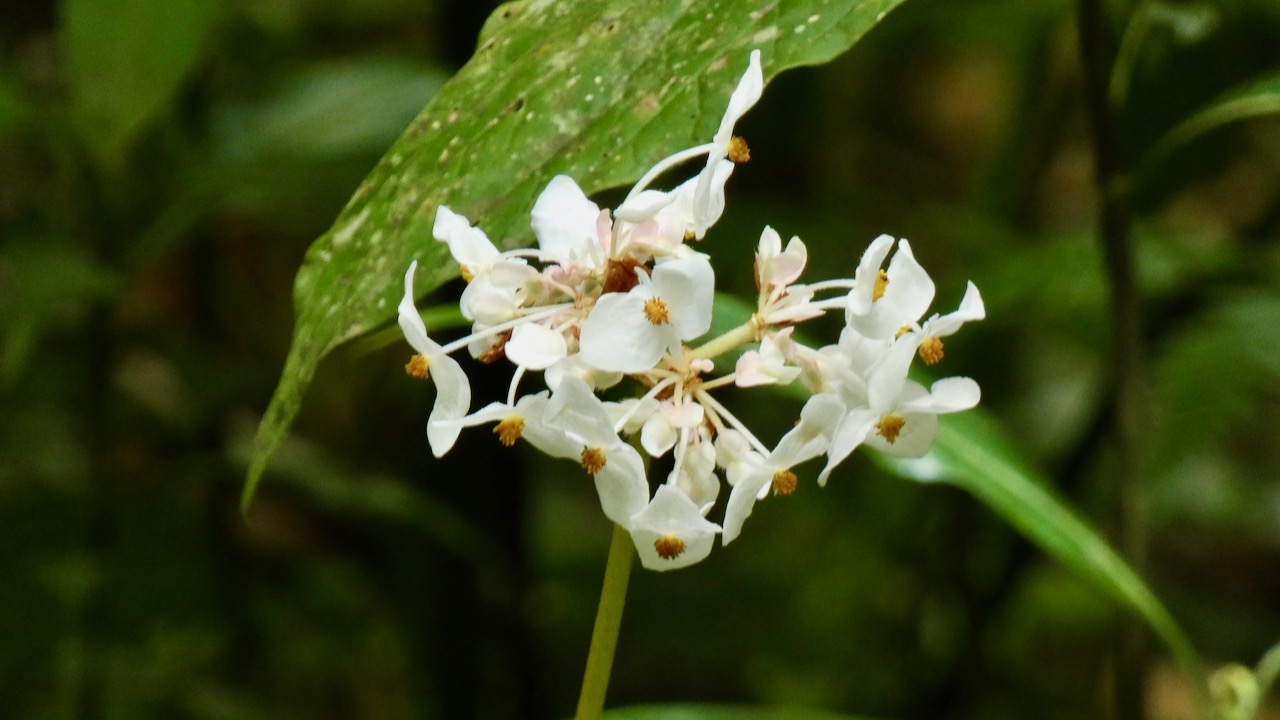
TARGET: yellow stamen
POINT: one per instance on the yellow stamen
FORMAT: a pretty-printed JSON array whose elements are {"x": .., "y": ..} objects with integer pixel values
[
  {"x": 784, "y": 482},
  {"x": 593, "y": 460},
  {"x": 931, "y": 350},
  {"x": 669, "y": 547},
  {"x": 655, "y": 311},
  {"x": 889, "y": 427},
  {"x": 467, "y": 275},
  {"x": 509, "y": 430},
  {"x": 418, "y": 367},
  {"x": 738, "y": 150},
  {"x": 882, "y": 282},
  {"x": 902, "y": 331},
  {"x": 690, "y": 236}
]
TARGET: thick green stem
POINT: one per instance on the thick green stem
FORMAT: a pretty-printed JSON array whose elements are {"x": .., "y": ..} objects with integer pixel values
[
  {"x": 604, "y": 639},
  {"x": 714, "y": 348}
]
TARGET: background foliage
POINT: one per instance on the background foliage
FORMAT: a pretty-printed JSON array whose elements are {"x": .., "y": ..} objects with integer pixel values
[{"x": 164, "y": 173}]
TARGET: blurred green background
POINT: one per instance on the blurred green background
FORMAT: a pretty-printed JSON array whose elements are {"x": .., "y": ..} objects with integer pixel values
[{"x": 164, "y": 166}]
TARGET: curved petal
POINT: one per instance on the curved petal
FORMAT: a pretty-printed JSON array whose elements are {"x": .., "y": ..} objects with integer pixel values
[{"x": 672, "y": 514}]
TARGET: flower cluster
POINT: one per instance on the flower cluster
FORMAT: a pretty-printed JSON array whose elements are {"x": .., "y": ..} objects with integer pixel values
[{"x": 611, "y": 295}]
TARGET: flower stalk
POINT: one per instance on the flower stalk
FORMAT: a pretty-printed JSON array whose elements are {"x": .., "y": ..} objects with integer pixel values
[{"x": 604, "y": 638}]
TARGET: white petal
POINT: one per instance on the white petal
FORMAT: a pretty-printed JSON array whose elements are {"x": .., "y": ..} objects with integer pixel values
[
  {"x": 415, "y": 331},
  {"x": 744, "y": 96},
  {"x": 536, "y": 347},
  {"x": 742, "y": 500},
  {"x": 971, "y": 308},
  {"x": 453, "y": 399},
  {"x": 616, "y": 336},
  {"x": 621, "y": 484},
  {"x": 947, "y": 395},
  {"x": 860, "y": 298},
  {"x": 672, "y": 513},
  {"x": 657, "y": 436},
  {"x": 913, "y": 440},
  {"x": 468, "y": 245},
  {"x": 574, "y": 409},
  {"x": 564, "y": 220},
  {"x": 910, "y": 288},
  {"x": 688, "y": 287},
  {"x": 849, "y": 434}
]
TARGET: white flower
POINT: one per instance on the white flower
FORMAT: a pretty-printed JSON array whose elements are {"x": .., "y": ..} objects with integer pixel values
[
  {"x": 882, "y": 302},
  {"x": 768, "y": 365},
  {"x": 525, "y": 421},
  {"x": 629, "y": 332},
  {"x": 453, "y": 391},
  {"x": 670, "y": 532},
  {"x": 777, "y": 268},
  {"x": 615, "y": 466},
  {"x": 900, "y": 415},
  {"x": 936, "y": 327},
  {"x": 808, "y": 439},
  {"x": 697, "y": 204}
]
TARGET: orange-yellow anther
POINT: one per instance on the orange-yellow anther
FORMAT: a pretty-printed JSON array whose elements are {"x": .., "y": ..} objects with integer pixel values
[
  {"x": 889, "y": 427},
  {"x": 509, "y": 430},
  {"x": 418, "y": 367},
  {"x": 593, "y": 460},
  {"x": 784, "y": 482},
  {"x": 655, "y": 311},
  {"x": 738, "y": 150},
  {"x": 669, "y": 547},
  {"x": 931, "y": 350},
  {"x": 882, "y": 282},
  {"x": 902, "y": 331},
  {"x": 467, "y": 275}
]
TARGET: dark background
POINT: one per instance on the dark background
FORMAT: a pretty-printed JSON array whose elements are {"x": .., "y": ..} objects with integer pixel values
[{"x": 145, "y": 314}]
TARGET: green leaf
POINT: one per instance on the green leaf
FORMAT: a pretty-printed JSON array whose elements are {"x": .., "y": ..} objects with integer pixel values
[
  {"x": 127, "y": 59},
  {"x": 971, "y": 452},
  {"x": 599, "y": 91},
  {"x": 1253, "y": 99}
]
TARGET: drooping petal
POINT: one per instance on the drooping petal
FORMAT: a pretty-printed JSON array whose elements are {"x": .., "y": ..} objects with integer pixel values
[
  {"x": 453, "y": 390},
  {"x": 849, "y": 434},
  {"x": 621, "y": 483},
  {"x": 670, "y": 532},
  {"x": 742, "y": 500}
]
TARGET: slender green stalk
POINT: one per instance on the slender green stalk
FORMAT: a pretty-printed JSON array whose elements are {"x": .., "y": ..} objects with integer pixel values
[
  {"x": 604, "y": 639},
  {"x": 1129, "y": 388}
]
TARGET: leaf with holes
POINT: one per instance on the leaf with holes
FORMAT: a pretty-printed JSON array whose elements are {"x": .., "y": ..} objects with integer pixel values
[{"x": 598, "y": 91}]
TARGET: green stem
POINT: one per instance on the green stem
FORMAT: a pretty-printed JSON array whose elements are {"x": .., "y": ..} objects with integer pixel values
[
  {"x": 604, "y": 639},
  {"x": 716, "y": 347}
]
